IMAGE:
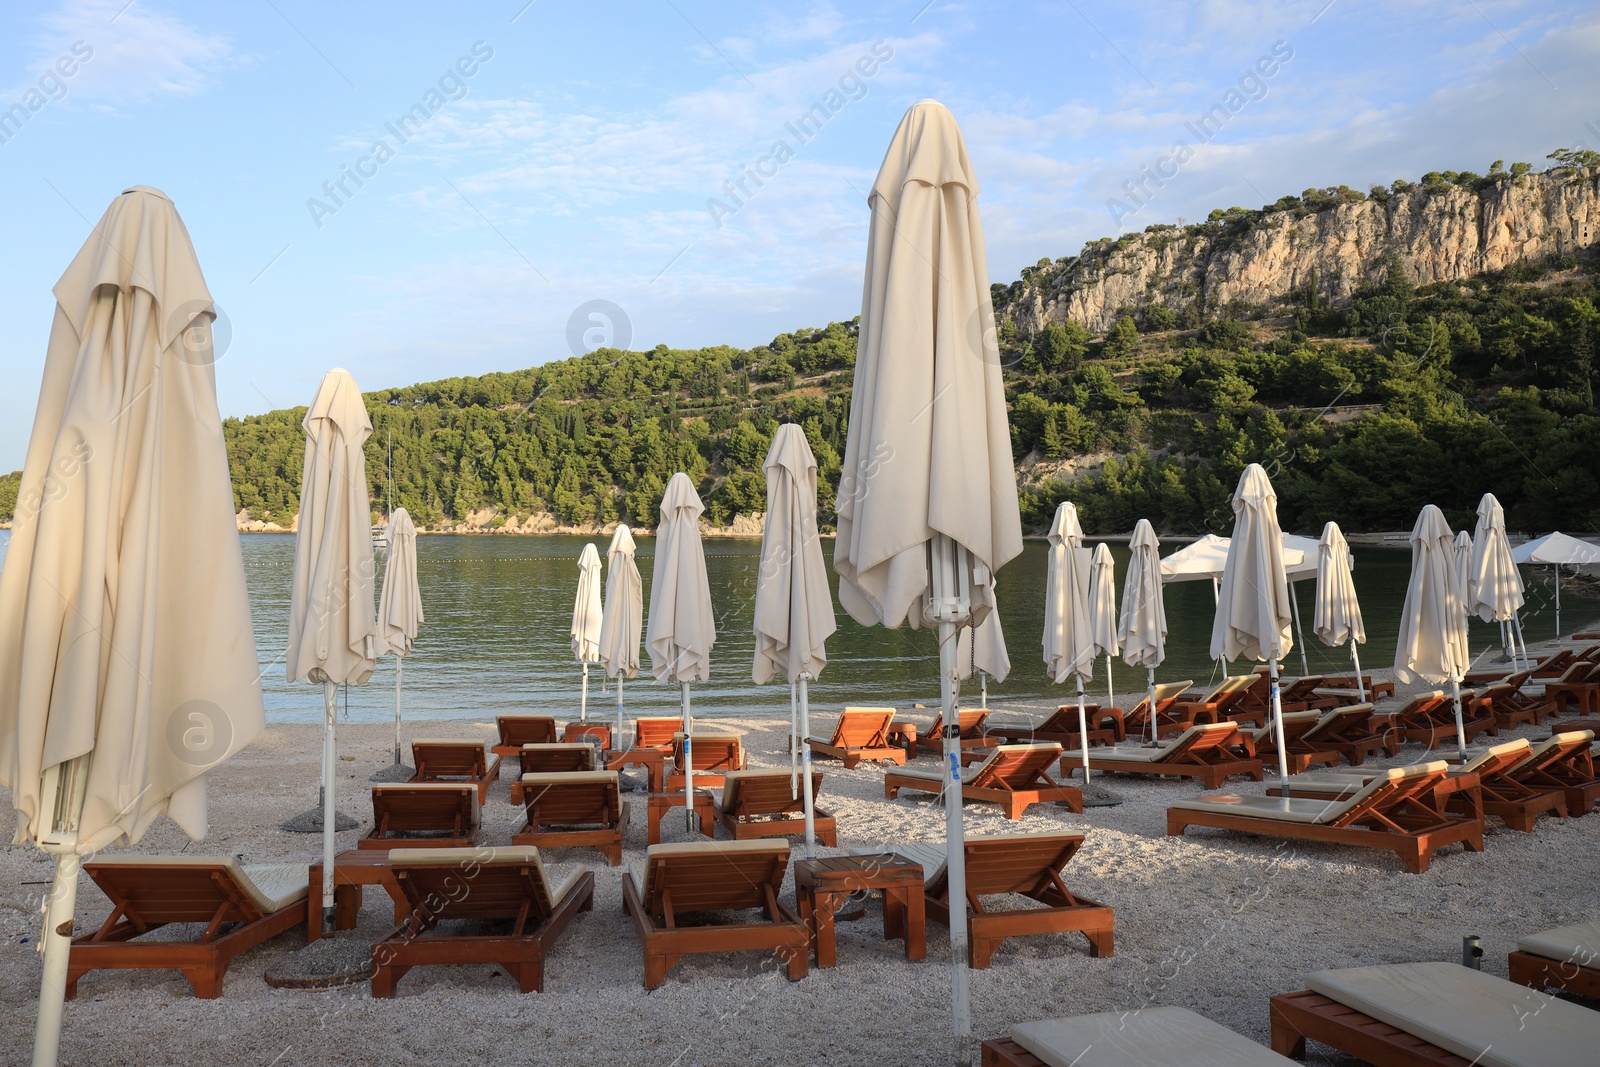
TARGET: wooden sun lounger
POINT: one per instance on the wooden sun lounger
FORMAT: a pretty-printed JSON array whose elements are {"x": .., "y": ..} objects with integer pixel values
[
  {"x": 1565, "y": 762},
  {"x": 1215, "y": 706},
  {"x": 860, "y": 733},
  {"x": 1300, "y": 755},
  {"x": 577, "y": 731},
  {"x": 1137, "y": 720},
  {"x": 1204, "y": 752},
  {"x": 1430, "y": 718},
  {"x": 442, "y": 759},
  {"x": 1565, "y": 958},
  {"x": 1013, "y": 776},
  {"x": 713, "y": 876},
  {"x": 555, "y": 757},
  {"x": 149, "y": 892},
  {"x": 1550, "y": 666},
  {"x": 656, "y": 732},
  {"x": 1137, "y": 1038},
  {"x": 518, "y": 730},
  {"x": 1106, "y": 727},
  {"x": 573, "y": 809},
  {"x": 448, "y": 812},
  {"x": 1508, "y": 713},
  {"x": 929, "y": 740},
  {"x": 1398, "y": 810},
  {"x": 1579, "y": 686},
  {"x": 1028, "y": 865},
  {"x": 1376, "y": 689},
  {"x": 715, "y": 754},
  {"x": 503, "y": 885},
  {"x": 1432, "y": 1015},
  {"x": 1348, "y": 731},
  {"x": 757, "y": 804}
]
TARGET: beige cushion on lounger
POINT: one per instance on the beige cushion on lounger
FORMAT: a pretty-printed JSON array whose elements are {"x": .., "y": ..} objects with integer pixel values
[
  {"x": 1304, "y": 809},
  {"x": 969, "y": 773},
  {"x": 464, "y": 788},
  {"x": 1578, "y": 944},
  {"x": 1147, "y": 754},
  {"x": 505, "y": 854},
  {"x": 1333, "y": 715},
  {"x": 448, "y": 741},
  {"x": 932, "y": 857},
  {"x": 1487, "y": 1020},
  {"x": 1149, "y": 1037},
  {"x": 271, "y": 886},
  {"x": 699, "y": 848},
  {"x": 567, "y": 777},
  {"x": 1269, "y": 731},
  {"x": 702, "y": 735}
]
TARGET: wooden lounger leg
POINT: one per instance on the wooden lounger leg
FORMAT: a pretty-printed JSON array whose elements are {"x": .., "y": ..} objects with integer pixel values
[
  {"x": 1286, "y": 1039},
  {"x": 656, "y": 967},
  {"x": 981, "y": 950},
  {"x": 1102, "y": 943},
  {"x": 385, "y": 976},
  {"x": 206, "y": 981}
]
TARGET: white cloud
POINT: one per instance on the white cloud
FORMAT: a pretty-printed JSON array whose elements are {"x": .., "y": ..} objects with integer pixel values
[{"x": 139, "y": 51}]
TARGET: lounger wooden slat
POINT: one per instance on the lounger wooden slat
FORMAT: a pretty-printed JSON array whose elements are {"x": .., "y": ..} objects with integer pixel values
[
  {"x": 1204, "y": 751},
  {"x": 150, "y": 892},
  {"x": 517, "y": 730},
  {"x": 929, "y": 740},
  {"x": 757, "y": 804},
  {"x": 860, "y": 734},
  {"x": 446, "y": 812},
  {"x": 443, "y": 759},
  {"x": 656, "y": 732},
  {"x": 714, "y": 756},
  {"x": 574, "y": 809},
  {"x": 1215, "y": 706},
  {"x": 1107, "y": 726},
  {"x": 1297, "y": 1017},
  {"x": 501, "y": 885},
  {"x": 1299, "y": 753},
  {"x": 1430, "y": 719},
  {"x": 705, "y": 877},
  {"x": 1013, "y": 776},
  {"x": 575, "y": 732},
  {"x": 1349, "y": 731},
  {"x": 1567, "y": 958},
  {"x": 1566, "y": 764},
  {"x": 557, "y": 757}
]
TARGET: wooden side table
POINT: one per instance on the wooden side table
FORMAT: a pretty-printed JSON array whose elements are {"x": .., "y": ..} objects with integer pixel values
[
  {"x": 903, "y": 734},
  {"x": 821, "y": 885},
  {"x": 654, "y": 762},
  {"x": 353, "y": 869},
  {"x": 661, "y": 803}
]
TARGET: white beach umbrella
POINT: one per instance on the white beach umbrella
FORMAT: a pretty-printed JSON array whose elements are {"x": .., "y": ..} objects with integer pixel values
[
  {"x": 399, "y": 605},
  {"x": 622, "y": 618},
  {"x": 987, "y": 657},
  {"x": 1494, "y": 586},
  {"x": 682, "y": 628},
  {"x": 794, "y": 609},
  {"x": 587, "y": 618},
  {"x": 1557, "y": 550},
  {"x": 1207, "y": 557},
  {"x": 332, "y": 628},
  {"x": 1068, "y": 641},
  {"x": 1432, "y": 645},
  {"x": 1103, "y": 611},
  {"x": 1254, "y": 619},
  {"x": 1142, "y": 628},
  {"x": 1338, "y": 612},
  {"x": 1461, "y": 553},
  {"x": 927, "y": 500},
  {"x": 127, "y": 664}
]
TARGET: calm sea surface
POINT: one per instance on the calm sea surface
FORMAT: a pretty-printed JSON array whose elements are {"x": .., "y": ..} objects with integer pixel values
[{"x": 498, "y": 611}]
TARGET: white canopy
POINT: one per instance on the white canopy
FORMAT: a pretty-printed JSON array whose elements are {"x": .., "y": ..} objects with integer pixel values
[
  {"x": 1207, "y": 557},
  {"x": 1338, "y": 618},
  {"x": 682, "y": 628},
  {"x": 1103, "y": 602},
  {"x": 1432, "y": 646},
  {"x": 1068, "y": 639},
  {"x": 1461, "y": 554},
  {"x": 1556, "y": 548},
  {"x": 622, "y": 618},
  {"x": 587, "y": 614},
  {"x": 1254, "y": 618},
  {"x": 794, "y": 609},
  {"x": 400, "y": 603},
  {"x": 1142, "y": 629}
]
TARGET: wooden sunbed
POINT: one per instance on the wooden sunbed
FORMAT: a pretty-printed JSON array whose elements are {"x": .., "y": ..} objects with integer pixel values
[
  {"x": 758, "y": 804},
  {"x": 1013, "y": 776},
  {"x": 1348, "y": 730},
  {"x": 1430, "y": 718},
  {"x": 1027, "y": 865},
  {"x": 447, "y": 812},
  {"x": 1579, "y": 686},
  {"x": 1565, "y": 762},
  {"x": 517, "y": 730},
  {"x": 1376, "y": 689},
  {"x": 860, "y": 733},
  {"x": 1204, "y": 751},
  {"x": 929, "y": 740},
  {"x": 149, "y": 892},
  {"x": 656, "y": 732},
  {"x": 577, "y": 731},
  {"x": 678, "y": 880},
  {"x": 715, "y": 754},
  {"x": 1566, "y": 958},
  {"x": 556, "y": 757},
  {"x": 1300, "y": 755},
  {"x": 1139, "y": 1038},
  {"x": 1550, "y": 666},
  {"x": 1398, "y": 810},
  {"x": 501, "y": 885},
  {"x": 1433, "y": 1015},
  {"x": 1106, "y": 727},
  {"x": 1216, "y": 706},
  {"x": 574, "y": 809},
  {"x": 1137, "y": 720},
  {"x": 443, "y": 759}
]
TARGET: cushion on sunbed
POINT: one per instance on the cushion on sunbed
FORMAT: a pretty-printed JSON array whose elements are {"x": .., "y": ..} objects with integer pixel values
[
  {"x": 1494, "y": 752},
  {"x": 968, "y": 774},
  {"x": 459, "y": 787},
  {"x": 932, "y": 857},
  {"x": 1146, "y": 754},
  {"x": 1150, "y": 1037},
  {"x": 1578, "y": 944},
  {"x": 1487, "y": 1020},
  {"x": 447, "y": 741},
  {"x": 1269, "y": 731},
  {"x": 560, "y": 746},
  {"x": 1305, "y": 809},
  {"x": 569, "y": 777},
  {"x": 641, "y": 870},
  {"x": 271, "y": 886},
  {"x": 484, "y": 857}
]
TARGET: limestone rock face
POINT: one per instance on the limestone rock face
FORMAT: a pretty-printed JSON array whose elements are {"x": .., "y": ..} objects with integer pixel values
[{"x": 1443, "y": 233}]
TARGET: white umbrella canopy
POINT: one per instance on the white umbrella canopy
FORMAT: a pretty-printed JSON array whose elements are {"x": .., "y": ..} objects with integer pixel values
[
  {"x": 622, "y": 616},
  {"x": 989, "y": 655},
  {"x": 127, "y": 662},
  {"x": 399, "y": 605},
  {"x": 793, "y": 609},
  {"x": 587, "y": 617},
  {"x": 1068, "y": 642},
  {"x": 1461, "y": 552},
  {"x": 1556, "y": 549},
  {"x": 1432, "y": 645},
  {"x": 332, "y": 628},
  {"x": 1338, "y": 613},
  {"x": 1103, "y": 611},
  {"x": 682, "y": 628},
  {"x": 927, "y": 500},
  {"x": 1254, "y": 617},
  {"x": 1207, "y": 557},
  {"x": 1494, "y": 587},
  {"x": 1142, "y": 627}
]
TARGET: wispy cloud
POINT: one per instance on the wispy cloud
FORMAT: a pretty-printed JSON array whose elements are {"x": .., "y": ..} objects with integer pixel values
[{"x": 140, "y": 50}]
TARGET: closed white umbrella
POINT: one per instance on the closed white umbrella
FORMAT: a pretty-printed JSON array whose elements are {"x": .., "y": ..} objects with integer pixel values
[
  {"x": 332, "y": 628},
  {"x": 681, "y": 629},
  {"x": 1461, "y": 553},
  {"x": 127, "y": 664},
  {"x": 793, "y": 610},
  {"x": 1254, "y": 618},
  {"x": 1103, "y": 611},
  {"x": 1494, "y": 586},
  {"x": 987, "y": 657},
  {"x": 927, "y": 499},
  {"x": 1555, "y": 550},
  {"x": 1207, "y": 557},
  {"x": 587, "y": 618},
  {"x": 1068, "y": 642},
  {"x": 399, "y": 613},
  {"x": 622, "y": 619},
  {"x": 1338, "y": 612},
  {"x": 1142, "y": 628},
  {"x": 1432, "y": 645}
]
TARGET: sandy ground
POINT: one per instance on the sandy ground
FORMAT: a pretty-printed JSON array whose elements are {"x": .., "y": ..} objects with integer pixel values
[{"x": 1215, "y": 922}]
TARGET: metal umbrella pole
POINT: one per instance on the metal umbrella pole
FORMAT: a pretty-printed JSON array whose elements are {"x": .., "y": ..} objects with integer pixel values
[
  {"x": 329, "y": 816},
  {"x": 1461, "y": 730},
  {"x": 1277, "y": 725},
  {"x": 1299, "y": 631},
  {"x": 1361, "y": 681},
  {"x": 1083, "y": 730},
  {"x": 65, "y": 786},
  {"x": 616, "y": 742},
  {"x": 1151, "y": 704},
  {"x": 805, "y": 758},
  {"x": 952, "y": 607},
  {"x": 797, "y": 740},
  {"x": 688, "y": 760},
  {"x": 583, "y": 699},
  {"x": 399, "y": 660}
]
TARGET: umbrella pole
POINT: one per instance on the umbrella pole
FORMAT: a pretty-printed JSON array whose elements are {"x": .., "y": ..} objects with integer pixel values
[
  {"x": 795, "y": 741},
  {"x": 1461, "y": 730},
  {"x": 1299, "y": 631},
  {"x": 688, "y": 760},
  {"x": 951, "y": 608},
  {"x": 983, "y": 683},
  {"x": 1277, "y": 726},
  {"x": 616, "y": 742},
  {"x": 1361, "y": 681},
  {"x": 1558, "y": 601},
  {"x": 1151, "y": 704},
  {"x": 1083, "y": 730},
  {"x": 583, "y": 698},
  {"x": 805, "y": 756},
  {"x": 398, "y": 660},
  {"x": 329, "y": 816},
  {"x": 1111, "y": 685},
  {"x": 60, "y": 907},
  {"x": 1527, "y": 665},
  {"x": 1216, "y": 602}
]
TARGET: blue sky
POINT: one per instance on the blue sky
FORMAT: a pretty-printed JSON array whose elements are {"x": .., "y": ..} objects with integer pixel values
[{"x": 576, "y": 161}]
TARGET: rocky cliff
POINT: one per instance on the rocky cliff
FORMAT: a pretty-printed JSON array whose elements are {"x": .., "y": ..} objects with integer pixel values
[{"x": 1336, "y": 243}]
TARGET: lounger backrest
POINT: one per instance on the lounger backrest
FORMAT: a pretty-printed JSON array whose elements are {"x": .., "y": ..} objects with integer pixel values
[
  {"x": 971, "y": 721},
  {"x": 1554, "y": 751},
  {"x": 424, "y": 807},
  {"x": 452, "y": 756},
  {"x": 1335, "y": 722},
  {"x": 475, "y": 883},
  {"x": 1014, "y": 863},
  {"x": 572, "y": 798},
  {"x": 863, "y": 728},
  {"x": 178, "y": 889},
  {"x": 712, "y": 752},
  {"x": 1296, "y": 724},
  {"x": 1497, "y": 759},
  {"x": 1420, "y": 705},
  {"x": 558, "y": 756},
  {"x": 655, "y": 731},
  {"x": 714, "y": 875},
  {"x": 575, "y": 732},
  {"x": 1198, "y": 738},
  {"x": 1165, "y": 694},
  {"x": 1016, "y": 766},
  {"x": 765, "y": 792},
  {"x": 519, "y": 730},
  {"x": 1385, "y": 789}
]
